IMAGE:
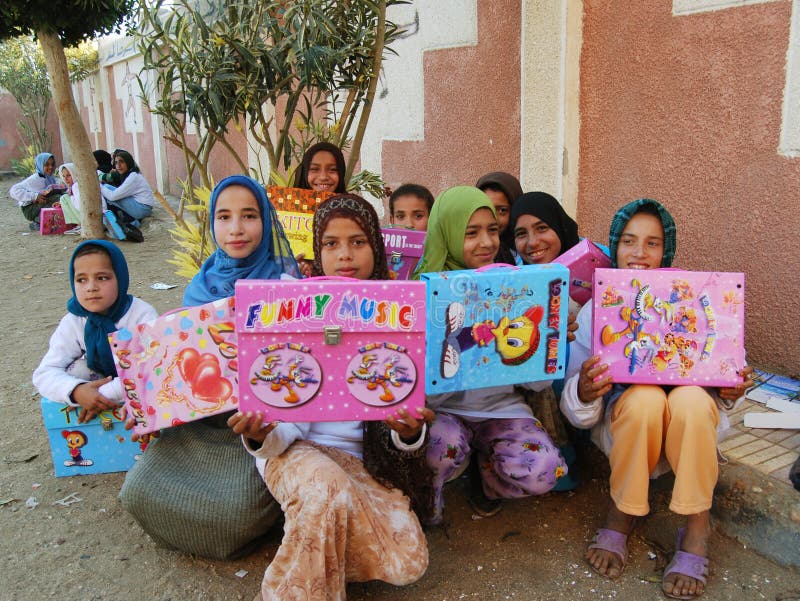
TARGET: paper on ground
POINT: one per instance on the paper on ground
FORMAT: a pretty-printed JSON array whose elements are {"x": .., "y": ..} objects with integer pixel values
[{"x": 780, "y": 421}]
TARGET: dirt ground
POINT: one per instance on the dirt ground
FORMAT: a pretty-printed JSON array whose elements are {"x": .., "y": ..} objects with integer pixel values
[{"x": 93, "y": 550}]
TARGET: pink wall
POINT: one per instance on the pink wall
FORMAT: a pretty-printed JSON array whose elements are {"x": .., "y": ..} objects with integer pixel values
[
  {"x": 11, "y": 145},
  {"x": 687, "y": 110},
  {"x": 472, "y": 119}
]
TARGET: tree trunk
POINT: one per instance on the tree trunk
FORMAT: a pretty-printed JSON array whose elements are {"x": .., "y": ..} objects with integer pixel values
[{"x": 75, "y": 132}]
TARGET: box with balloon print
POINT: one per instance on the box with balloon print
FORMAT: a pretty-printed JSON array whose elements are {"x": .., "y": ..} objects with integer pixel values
[
  {"x": 99, "y": 446},
  {"x": 330, "y": 349},
  {"x": 180, "y": 367}
]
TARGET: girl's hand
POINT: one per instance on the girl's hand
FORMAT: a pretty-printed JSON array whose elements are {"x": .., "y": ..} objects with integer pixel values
[
  {"x": 90, "y": 400},
  {"x": 409, "y": 427},
  {"x": 250, "y": 425},
  {"x": 572, "y": 327},
  {"x": 41, "y": 198},
  {"x": 136, "y": 437},
  {"x": 591, "y": 382},
  {"x": 731, "y": 394},
  {"x": 304, "y": 265}
]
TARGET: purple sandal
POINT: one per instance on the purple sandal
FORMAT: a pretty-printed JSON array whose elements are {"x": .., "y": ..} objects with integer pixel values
[
  {"x": 688, "y": 564},
  {"x": 614, "y": 542}
]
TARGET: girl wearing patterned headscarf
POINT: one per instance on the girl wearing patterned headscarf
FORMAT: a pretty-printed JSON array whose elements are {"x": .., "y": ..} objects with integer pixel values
[
  {"x": 79, "y": 356},
  {"x": 38, "y": 191},
  {"x": 196, "y": 489},
  {"x": 647, "y": 430},
  {"x": 513, "y": 455}
]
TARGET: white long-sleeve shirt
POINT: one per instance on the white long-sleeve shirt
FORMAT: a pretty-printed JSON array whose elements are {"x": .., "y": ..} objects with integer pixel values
[
  {"x": 52, "y": 378},
  {"x": 135, "y": 185},
  {"x": 26, "y": 191}
]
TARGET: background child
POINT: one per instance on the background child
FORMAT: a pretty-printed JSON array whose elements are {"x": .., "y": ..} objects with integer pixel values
[
  {"x": 514, "y": 454},
  {"x": 341, "y": 523},
  {"x": 322, "y": 169},
  {"x": 503, "y": 189},
  {"x": 39, "y": 190},
  {"x": 70, "y": 201},
  {"x": 133, "y": 195},
  {"x": 645, "y": 429},
  {"x": 196, "y": 489},
  {"x": 410, "y": 206},
  {"x": 78, "y": 367}
]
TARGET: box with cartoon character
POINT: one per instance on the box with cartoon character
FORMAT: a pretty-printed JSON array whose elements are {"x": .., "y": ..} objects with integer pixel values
[
  {"x": 179, "y": 368},
  {"x": 581, "y": 260},
  {"x": 330, "y": 349},
  {"x": 51, "y": 221},
  {"x": 496, "y": 325},
  {"x": 296, "y": 208},
  {"x": 669, "y": 327},
  {"x": 100, "y": 446},
  {"x": 403, "y": 250}
]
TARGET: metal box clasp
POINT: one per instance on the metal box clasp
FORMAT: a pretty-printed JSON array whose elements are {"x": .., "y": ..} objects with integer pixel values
[{"x": 332, "y": 334}]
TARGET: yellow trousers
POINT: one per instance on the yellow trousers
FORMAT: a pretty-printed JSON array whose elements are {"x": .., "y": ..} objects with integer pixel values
[{"x": 646, "y": 422}]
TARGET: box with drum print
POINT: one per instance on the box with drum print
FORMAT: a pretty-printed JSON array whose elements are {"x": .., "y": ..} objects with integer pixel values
[
  {"x": 495, "y": 325},
  {"x": 330, "y": 349},
  {"x": 296, "y": 208},
  {"x": 403, "y": 250},
  {"x": 669, "y": 327}
]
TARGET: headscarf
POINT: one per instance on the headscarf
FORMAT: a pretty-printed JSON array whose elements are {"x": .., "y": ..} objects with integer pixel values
[
  {"x": 273, "y": 256},
  {"x": 99, "y": 326},
  {"x": 39, "y": 161},
  {"x": 510, "y": 186},
  {"x": 128, "y": 158},
  {"x": 545, "y": 207},
  {"x": 444, "y": 242},
  {"x": 103, "y": 160},
  {"x": 301, "y": 177},
  {"x": 623, "y": 216},
  {"x": 71, "y": 168},
  {"x": 363, "y": 213}
]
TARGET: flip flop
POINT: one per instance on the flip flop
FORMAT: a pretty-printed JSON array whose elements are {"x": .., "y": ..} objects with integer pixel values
[
  {"x": 614, "y": 542},
  {"x": 687, "y": 564},
  {"x": 113, "y": 226}
]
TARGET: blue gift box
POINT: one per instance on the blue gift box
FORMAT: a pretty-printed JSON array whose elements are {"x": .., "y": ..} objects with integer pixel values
[
  {"x": 495, "y": 325},
  {"x": 99, "y": 446}
]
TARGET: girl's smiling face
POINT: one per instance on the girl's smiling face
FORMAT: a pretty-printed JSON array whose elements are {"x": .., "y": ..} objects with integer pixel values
[
  {"x": 641, "y": 244},
  {"x": 49, "y": 166},
  {"x": 323, "y": 175},
  {"x": 238, "y": 228},
  {"x": 481, "y": 239},
  {"x": 66, "y": 176},
  {"x": 95, "y": 282},
  {"x": 346, "y": 250},
  {"x": 536, "y": 242}
]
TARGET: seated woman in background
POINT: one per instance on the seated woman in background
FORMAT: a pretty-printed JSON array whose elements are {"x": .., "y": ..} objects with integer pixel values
[{"x": 133, "y": 195}]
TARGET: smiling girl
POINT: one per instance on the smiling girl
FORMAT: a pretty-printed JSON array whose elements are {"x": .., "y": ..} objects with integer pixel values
[
  {"x": 322, "y": 169},
  {"x": 39, "y": 190}
]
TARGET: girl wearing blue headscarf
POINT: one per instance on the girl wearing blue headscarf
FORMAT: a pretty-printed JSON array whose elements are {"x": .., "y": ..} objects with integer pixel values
[
  {"x": 196, "y": 489},
  {"x": 78, "y": 368},
  {"x": 39, "y": 190}
]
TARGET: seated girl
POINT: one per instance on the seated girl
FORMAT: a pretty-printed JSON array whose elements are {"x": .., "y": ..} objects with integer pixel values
[
  {"x": 503, "y": 189},
  {"x": 133, "y": 195},
  {"x": 38, "y": 191}
]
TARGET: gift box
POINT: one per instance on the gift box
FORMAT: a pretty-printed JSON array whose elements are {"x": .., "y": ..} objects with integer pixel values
[
  {"x": 180, "y": 367},
  {"x": 99, "y": 446},
  {"x": 296, "y": 208},
  {"x": 581, "y": 260},
  {"x": 403, "y": 250},
  {"x": 496, "y": 325},
  {"x": 330, "y": 349},
  {"x": 669, "y": 327},
  {"x": 51, "y": 221}
]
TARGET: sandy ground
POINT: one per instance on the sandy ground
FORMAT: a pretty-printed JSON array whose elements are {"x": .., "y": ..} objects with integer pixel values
[{"x": 93, "y": 550}]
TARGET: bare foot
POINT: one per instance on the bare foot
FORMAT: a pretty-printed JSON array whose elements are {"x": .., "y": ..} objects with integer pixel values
[
  {"x": 605, "y": 562},
  {"x": 695, "y": 540}
]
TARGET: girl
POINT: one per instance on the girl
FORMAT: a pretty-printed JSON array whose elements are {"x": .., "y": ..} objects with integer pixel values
[
  {"x": 646, "y": 430},
  {"x": 323, "y": 169},
  {"x": 515, "y": 456},
  {"x": 410, "y": 206},
  {"x": 38, "y": 191},
  {"x": 196, "y": 489},
  {"x": 503, "y": 189},
  {"x": 342, "y": 523},
  {"x": 133, "y": 194},
  {"x": 78, "y": 367},
  {"x": 71, "y": 201}
]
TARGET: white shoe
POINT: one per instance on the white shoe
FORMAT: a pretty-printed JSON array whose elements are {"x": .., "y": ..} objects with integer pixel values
[
  {"x": 451, "y": 361},
  {"x": 76, "y": 231},
  {"x": 455, "y": 317}
]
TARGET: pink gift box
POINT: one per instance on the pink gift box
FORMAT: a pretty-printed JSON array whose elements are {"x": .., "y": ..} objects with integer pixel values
[
  {"x": 403, "y": 250},
  {"x": 51, "y": 221},
  {"x": 669, "y": 327},
  {"x": 330, "y": 349},
  {"x": 180, "y": 367},
  {"x": 581, "y": 260}
]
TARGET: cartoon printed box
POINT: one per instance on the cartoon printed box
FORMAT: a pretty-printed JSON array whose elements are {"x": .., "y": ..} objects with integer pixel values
[
  {"x": 496, "y": 325},
  {"x": 180, "y": 367},
  {"x": 669, "y": 327},
  {"x": 403, "y": 250},
  {"x": 581, "y": 260},
  {"x": 51, "y": 221},
  {"x": 330, "y": 349},
  {"x": 296, "y": 208},
  {"x": 99, "y": 446}
]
